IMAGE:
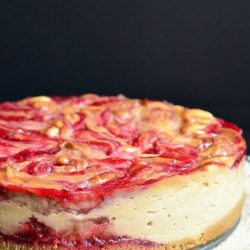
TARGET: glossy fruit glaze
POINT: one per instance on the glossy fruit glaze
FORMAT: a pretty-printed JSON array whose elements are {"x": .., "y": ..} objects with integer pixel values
[{"x": 83, "y": 148}]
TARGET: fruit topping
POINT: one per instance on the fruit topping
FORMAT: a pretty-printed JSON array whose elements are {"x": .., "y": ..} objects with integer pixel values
[{"x": 82, "y": 148}]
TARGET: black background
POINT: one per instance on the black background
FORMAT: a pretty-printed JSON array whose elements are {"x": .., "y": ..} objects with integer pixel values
[{"x": 194, "y": 53}]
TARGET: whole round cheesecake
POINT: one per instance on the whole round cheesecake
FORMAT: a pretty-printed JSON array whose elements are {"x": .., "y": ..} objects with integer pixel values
[{"x": 97, "y": 172}]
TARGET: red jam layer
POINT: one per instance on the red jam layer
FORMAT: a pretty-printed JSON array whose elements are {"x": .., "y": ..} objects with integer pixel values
[
  {"x": 34, "y": 233},
  {"x": 80, "y": 148}
]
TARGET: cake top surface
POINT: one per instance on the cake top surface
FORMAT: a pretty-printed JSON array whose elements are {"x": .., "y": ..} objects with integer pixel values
[{"x": 76, "y": 148}]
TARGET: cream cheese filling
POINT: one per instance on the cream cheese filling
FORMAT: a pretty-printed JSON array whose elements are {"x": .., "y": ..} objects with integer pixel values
[{"x": 169, "y": 210}]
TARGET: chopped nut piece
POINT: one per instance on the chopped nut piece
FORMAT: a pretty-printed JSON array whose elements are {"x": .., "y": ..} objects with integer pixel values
[
  {"x": 70, "y": 115},
  {"x": 52, "y": 132},
  {"x": 99, "y": 179},
  {"x": 42, "y": 102},
  {"x": 72, "y": 118},
  {"x": 62, "y": 159},
  {"x": 40, "y": 99},
  {"x": 58, "y": 123}
]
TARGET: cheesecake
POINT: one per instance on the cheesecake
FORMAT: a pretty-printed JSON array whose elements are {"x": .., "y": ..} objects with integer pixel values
[{"x": 99, "y": 172}]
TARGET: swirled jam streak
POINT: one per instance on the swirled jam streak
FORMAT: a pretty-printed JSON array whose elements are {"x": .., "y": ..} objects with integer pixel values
[{"x": 79, "y": 172}]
